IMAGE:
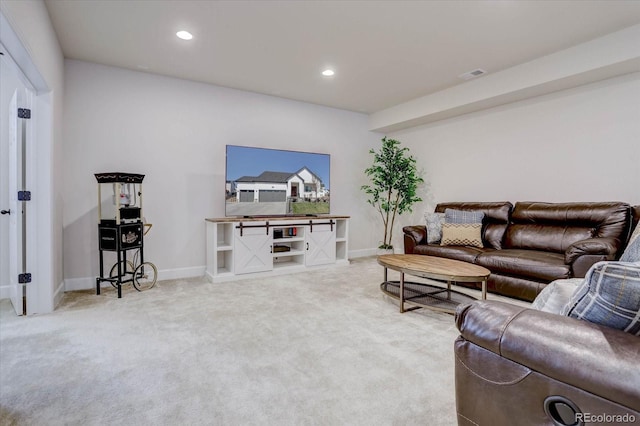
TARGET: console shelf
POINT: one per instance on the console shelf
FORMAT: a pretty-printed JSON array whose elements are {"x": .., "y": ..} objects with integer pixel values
[{"x": 270, "y": 245}]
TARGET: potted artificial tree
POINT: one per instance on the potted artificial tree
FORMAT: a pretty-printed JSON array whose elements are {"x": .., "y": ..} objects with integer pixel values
[{"x": 394, "y": 184}]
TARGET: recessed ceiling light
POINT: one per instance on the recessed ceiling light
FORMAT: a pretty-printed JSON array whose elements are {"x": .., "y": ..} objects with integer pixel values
[
  {"x": 185, "y": 35},
  {"x": 328, "y": 73}
]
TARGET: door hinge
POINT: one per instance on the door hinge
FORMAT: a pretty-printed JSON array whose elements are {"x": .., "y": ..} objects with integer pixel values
[
  {"x": 24, "y": 278},
  {"x": 24, "y": 113},
  {"x": 24, "y": 195}
]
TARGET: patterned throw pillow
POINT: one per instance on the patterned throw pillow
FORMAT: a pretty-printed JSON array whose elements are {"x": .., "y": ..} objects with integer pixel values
[
  {"x": 462, "y": 234},
  {"x": 632, "y": 252},
  {"x": 434, "y": 227},
  {"x": 463, "y": 216},
  {"x": 610, "y": 295}
]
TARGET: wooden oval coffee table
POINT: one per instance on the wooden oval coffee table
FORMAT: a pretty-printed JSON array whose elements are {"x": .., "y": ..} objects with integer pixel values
[{"x": 428, "y": 295}]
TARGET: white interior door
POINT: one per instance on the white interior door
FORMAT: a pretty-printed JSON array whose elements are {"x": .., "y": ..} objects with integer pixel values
[{"x": 14, "y": 94}]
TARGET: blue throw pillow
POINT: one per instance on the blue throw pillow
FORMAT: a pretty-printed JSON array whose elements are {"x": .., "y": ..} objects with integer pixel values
[
  {"x": 609, "y": 295},
  {"x": 463, "y": 216}
]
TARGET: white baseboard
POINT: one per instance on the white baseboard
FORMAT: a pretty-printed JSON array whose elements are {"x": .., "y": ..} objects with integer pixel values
[
  {"x": 179, "y": 273},
  {"x": 353, "y": 254},
  {"x": 73, "y": 284},
  {"x": 5, "y": 292}
]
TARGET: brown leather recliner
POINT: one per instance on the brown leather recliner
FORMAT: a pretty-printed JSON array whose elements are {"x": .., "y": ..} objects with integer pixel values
[
  {"x": 562, "y": 371},
  {"x": 528, "y": 245}
]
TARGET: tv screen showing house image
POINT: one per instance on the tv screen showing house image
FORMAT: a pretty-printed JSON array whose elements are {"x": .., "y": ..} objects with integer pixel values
[{"x": 272, "y": 182}]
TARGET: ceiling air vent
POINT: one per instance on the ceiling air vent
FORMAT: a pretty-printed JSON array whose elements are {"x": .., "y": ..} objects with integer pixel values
[{"x": 472, "y": 74}]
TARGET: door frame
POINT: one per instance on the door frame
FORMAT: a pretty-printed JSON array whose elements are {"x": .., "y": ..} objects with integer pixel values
[{"x": 42, "y": 222}]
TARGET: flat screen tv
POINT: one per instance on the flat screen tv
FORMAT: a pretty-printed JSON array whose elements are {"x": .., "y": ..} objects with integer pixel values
[{"x": 273, "y": 182}]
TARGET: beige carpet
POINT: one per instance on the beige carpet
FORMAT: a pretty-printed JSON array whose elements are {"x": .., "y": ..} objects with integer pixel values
[{"x": 324, "y": 347}]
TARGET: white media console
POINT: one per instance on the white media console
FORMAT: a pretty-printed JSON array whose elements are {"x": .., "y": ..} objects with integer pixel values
[{"x": 273, "y": 245}]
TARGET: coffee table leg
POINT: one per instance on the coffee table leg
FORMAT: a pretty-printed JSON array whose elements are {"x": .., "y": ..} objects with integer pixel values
[
  {"x": 401, "y": 292},
  {"x": 484, "y": 289}
]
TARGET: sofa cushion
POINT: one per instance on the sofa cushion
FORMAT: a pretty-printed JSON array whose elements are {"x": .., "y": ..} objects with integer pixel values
[
  {"x": 462, "y": 234},
  {"x": 610, "y": 296},
  {"x": 523, "y": 288},
  {"x": 556, "y": 238},
  {"x": 556, "y": 226},
  {"x": 434, "y": 223},
  {"x": 632, "y": 252},
  {"x": 466, "y": 254},
  {"x": 542, "y": 265}
]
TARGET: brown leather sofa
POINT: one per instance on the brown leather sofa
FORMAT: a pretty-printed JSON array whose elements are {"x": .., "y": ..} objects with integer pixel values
[
  {"x": 528, "y": 245},
  {"x": 563, "y": 371}
]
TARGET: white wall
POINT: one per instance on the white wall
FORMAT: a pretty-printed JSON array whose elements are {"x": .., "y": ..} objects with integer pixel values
[
  {"x": 43, "y": 60},
  {"x": 581, "y": 144},
  {"x": 175, "y": 132}
]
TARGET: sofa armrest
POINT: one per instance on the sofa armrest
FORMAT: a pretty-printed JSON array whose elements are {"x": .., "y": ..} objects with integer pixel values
[
  {"x": 595, "y": 358},
  {"x": 413, "y": 236},
  {"x": 607, "y": 247}
]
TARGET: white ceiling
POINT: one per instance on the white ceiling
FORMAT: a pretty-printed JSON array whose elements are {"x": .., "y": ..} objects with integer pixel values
[{"x": 384, "y": 52}]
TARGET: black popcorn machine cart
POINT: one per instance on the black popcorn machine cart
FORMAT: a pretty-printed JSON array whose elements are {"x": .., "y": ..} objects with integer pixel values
[{"x": 121, "y": 229}]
